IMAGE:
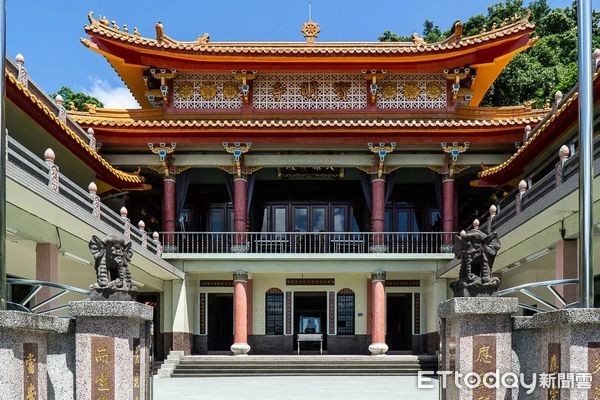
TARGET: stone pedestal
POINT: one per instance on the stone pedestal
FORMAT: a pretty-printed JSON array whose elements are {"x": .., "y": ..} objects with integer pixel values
[
  {"x": 112, "y": 349},
  {"x": 476, "y": 337},
  {"x": 569, "y": 340},
  {"x": 36, "y": 357}
]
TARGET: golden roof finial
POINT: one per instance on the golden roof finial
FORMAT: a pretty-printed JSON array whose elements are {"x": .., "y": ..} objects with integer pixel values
[{"x": 310, "y": 29}]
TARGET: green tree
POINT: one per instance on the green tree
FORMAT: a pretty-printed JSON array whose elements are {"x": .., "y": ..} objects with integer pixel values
[
  {"x": 77, "y": 100},
  {"x": 537, "y": 73},
  {"x": 389, "y": 36}
]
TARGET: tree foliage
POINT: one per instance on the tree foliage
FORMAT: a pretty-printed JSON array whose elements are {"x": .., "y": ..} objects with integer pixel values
[
  {"x": 537, "y": 73},
  {"x": 77, "y": 100}
]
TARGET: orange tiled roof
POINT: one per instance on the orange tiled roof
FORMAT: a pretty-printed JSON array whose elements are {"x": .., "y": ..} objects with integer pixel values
[
  {"x": 121, "y": 176},
  {"x": 109, "y": 30},
  {"x": 537, "y": 133},
  {"x": 301, "y": 123}
]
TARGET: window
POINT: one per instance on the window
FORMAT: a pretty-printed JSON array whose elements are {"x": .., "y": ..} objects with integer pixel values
[
  {"x": 345, "y": 312},
  {"x": 339, "y": 219},
  {"x": 274, "y": 312}
]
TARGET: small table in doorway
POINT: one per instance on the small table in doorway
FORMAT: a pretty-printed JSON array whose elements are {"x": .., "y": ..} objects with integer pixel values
[{"x": 310, "y": 337}]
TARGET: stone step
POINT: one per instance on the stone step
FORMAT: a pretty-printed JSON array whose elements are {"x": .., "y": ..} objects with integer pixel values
[
  {"x": 302, "y": 373},
  {"x": 220, "y": 366},
  {"x": 279, "y": 366}
]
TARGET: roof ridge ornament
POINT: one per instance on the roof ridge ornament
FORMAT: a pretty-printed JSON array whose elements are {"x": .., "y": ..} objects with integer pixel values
[{"x": 310, "y": 29}]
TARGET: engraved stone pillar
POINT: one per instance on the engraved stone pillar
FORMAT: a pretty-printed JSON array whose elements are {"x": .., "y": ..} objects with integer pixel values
[
  {"x": 476, "y": 337},
  {"x": 240, "y": 314},
  {"x": 112, "y": 349},
  {"x": 378, "y": 215},
  {"x": 240, "y": 214},
  {"x": 378, "y": 346},
  {"x": 25, "y": 367},
  {"x": 570, "y": 341}
]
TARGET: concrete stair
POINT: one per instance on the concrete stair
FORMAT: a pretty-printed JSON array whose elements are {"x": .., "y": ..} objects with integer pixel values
[{"x": 215, "y": 366}]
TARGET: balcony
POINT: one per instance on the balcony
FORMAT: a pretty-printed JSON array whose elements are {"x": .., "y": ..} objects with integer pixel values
[{"x": 307, "y": 243}]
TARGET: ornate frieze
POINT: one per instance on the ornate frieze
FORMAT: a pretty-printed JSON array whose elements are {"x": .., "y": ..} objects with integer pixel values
[
  {"x": 412, "y": 91},
  {"x": 317, "y": 91},
  {"x": 309, "y": 92},
  {"x": 207, "y": 91}
]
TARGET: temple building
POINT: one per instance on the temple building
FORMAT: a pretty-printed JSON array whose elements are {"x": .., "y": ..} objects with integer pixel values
[{"x": 295, "y": 188}]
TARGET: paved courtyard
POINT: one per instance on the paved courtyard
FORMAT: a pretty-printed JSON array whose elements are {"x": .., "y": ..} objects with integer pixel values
[{"x": 293, "y": 388}]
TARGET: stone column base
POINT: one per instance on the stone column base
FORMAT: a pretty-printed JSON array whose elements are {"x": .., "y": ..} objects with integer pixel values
[
  {"x": 378, "y": 349},
  {"x": 240, "y": 349},
  {"x": 378, "y": 248},
  {"x": 240, "y": 248}
]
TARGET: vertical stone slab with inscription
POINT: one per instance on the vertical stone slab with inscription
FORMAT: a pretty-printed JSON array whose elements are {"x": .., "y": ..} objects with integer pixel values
[
  {"x": 477, "y": 338},
  {"x": 553, "y": 369},
  {"x": 484, "y": 361},
  {"x": 571, "y": 337},
  {"x": 103, "y": 367},
  {"x": 30, "y": 371},
  {"x": 110, "y": 361}
]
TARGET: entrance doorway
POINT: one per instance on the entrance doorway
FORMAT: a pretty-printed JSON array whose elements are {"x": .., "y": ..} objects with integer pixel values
[
  {"x": 220, "y": 321},
  {"x": 313, "y": 306},
  {"x": 399, "y": 321}
]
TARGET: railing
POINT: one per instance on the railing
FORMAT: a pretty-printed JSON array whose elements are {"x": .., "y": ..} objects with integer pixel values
[
  {"x": 46, "y": 173},
  {"x": 550, "y": 286},
  {"x": 307, "y": 242},
  {"x": 540, "y": 189},
  {"x": 34, "y": 302}
]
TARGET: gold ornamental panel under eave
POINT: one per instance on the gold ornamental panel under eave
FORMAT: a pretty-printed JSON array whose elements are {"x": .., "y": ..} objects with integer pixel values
[{"x": 326, "y": 91}]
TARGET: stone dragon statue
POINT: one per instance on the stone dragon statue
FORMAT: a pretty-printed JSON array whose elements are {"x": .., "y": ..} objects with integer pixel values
[{"x": 476, "y": 250}]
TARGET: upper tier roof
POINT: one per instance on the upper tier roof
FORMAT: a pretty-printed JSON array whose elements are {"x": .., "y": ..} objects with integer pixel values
[{"x": 129, "y": 53}]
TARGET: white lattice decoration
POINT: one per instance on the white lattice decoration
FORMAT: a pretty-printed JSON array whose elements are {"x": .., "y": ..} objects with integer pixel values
[
  {"x": 401, "y": 85},
  {"x": 297, "y": 92},
  {"x": 188, "y": 89}
]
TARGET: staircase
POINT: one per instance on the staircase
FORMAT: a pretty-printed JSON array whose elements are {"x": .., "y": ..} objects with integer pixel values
[{"x": 216, "y": 366}]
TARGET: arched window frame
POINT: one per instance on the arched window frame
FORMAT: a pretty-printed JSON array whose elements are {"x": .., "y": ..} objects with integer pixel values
[
  {"x": 274, "y": 316},
  {"x": 346, "y": 304}
]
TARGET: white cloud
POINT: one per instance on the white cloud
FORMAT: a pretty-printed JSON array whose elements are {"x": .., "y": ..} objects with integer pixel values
[{"x": 111, "y": 96}]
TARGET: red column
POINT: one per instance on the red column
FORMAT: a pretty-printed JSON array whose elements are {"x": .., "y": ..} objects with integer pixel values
[
  {"x": 240, "y": 214},
  {"x": 378, "y": 346},
  {"x": 369, "y": 305},
  {"x": 46, "y": 269},
  {"x": 448, "y": 221},
  {"x": 240, "y": 313},
  {"x": 566, "y": 268},
  {"x": 378, "y": 214},
  {"x": 249, "y": 301},
  {"x": 168, "y": 211}
]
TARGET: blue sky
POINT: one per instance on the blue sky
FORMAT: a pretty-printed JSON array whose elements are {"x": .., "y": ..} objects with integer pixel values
[{"x": 47, "y": 32}]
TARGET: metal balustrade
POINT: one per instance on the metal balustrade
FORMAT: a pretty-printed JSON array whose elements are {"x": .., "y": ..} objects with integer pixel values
[
  {"x": 23, "y": 160},
  {"x": 551, "y": 286},
  {"x": 34, "y": 302},
  {"x": 307, "y": 242}
]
